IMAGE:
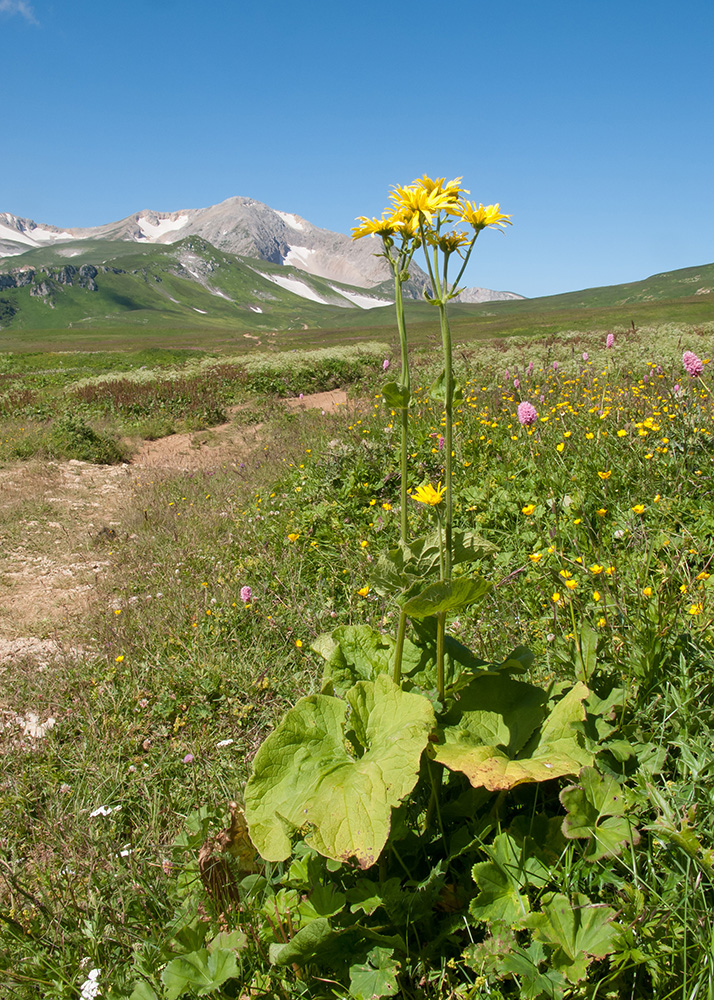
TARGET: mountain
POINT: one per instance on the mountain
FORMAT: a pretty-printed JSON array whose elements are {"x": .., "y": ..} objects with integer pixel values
[{"x": 240, "y": 226}]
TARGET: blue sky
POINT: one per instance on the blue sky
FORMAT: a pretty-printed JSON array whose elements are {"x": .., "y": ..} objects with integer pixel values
[{"x": 590, "y": 121}]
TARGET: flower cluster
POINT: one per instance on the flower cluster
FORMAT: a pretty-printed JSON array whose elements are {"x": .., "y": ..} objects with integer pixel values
[{"x": 692, "y": 364}]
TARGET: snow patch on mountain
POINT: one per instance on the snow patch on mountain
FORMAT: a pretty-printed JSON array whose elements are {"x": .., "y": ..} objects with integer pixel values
[
  {"x": 294, "y": 221},
  {"x": 298, "y": 257},
  {"x": 363, "y": 301},
  {"x": 38, "y": 238},
  {"x": 155, "y": 230},
  {"x": 296, "y": 287}
]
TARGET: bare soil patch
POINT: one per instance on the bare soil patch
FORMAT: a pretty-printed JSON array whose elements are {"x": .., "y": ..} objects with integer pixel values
[{"x": 58, "y": 521}]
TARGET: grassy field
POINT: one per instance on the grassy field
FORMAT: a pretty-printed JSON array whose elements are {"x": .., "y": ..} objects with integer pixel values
[{"x": 598, "y": 884}]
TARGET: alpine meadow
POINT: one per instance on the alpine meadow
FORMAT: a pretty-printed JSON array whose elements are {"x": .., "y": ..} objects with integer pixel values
[{"x": 356, "y": 634}]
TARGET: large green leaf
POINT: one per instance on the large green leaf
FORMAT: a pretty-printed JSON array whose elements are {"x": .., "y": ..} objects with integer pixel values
[
  {"x": 355, "y": 653},
  {"x": 576, "y": 932},
  {"x": 597, "y": 810},
  {"x": 396, "y": 395},
  {"x": 437, "y": 390},
  {"x": 501, "y": 880},
  {"x": 304, "y": 946},
  {"x": 305, "y": 777},
  {"x": 375, "y": 978},
  {"x": 453, "y": 596},
  {"x": 499, "y": 736},
  {"x": 200, "y": 971}
]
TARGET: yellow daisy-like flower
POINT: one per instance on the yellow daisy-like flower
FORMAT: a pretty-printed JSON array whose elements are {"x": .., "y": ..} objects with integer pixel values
[
  {"x": 483, "y": 216},
  {"x": 293, "y": 537},
  {"x": 429, "y": 494},
  {"x": 571, "y": 584},
  {"x": 621, "y": 433},
  {"x": 528, "y": 509},
  {"x": 638, "y": 508},
  {"x": 683, "y": 589},
  {"x": 559, "y": 446},
  {"x": 417, "y": 200},
  {"x": 610, "y": 570},
  {"x": 596, "y": 595},
  {"x": 601, "y": 622},
  {"x": 703, "y": 575},
  {"x": 647, "y": 592},
  {"x": 363, "y": 591},
  {"x": 386, "y": 506},
  {"x": 364, "y": 543},
  {"x": 535, "y": 557},
  {"x": 298, "y": 643},
  {"x": 596, "y": 568},
  {"x": 696, "y": 609},
  {"x": 605, "y": 475},
  {"x": 601, "y": 512},
  {"x": 566, "y": 574},
  {"x": 555, "y": 597},
  {"x": 375, "y": 227}
]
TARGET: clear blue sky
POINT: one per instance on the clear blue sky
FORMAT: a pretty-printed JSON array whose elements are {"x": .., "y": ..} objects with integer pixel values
[{"x": 591, "y": 121}]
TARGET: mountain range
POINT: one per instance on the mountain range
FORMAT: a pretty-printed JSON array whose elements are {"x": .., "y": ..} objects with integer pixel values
[{"x": 245, "y": 228}]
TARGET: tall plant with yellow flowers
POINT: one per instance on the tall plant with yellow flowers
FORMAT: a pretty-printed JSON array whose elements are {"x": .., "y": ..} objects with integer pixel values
[{"x": 377, "y": 788}]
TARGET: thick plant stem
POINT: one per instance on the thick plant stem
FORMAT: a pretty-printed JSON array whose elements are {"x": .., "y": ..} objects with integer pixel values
[
  {"x": 399, "y": 650},
  {"x": 448, "y": 437},
  {"x": 440, "y": 636},
  {"x": 404, "y": 413}
]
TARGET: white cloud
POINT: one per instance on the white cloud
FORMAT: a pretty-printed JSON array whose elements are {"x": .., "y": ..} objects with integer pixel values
[{"x": 18, "y": 7}]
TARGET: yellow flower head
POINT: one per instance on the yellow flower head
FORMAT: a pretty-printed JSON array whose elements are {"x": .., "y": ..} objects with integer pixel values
[
  {"x": 374, "y": 227},
  {"x": 696, "y": 609},
  {"x": 605, "y": 475},
  {"x": 638, "y": 508},
  {"x": 429, "y": 494},
  {"x": 555, "y": 597},
  {"x": 596, "y": 568},
  {"x": 293, "y": 537},
  {"x": 571, "y": 584},
  {"x": 535, "y": 557},
  {"x": 418, "y": 200},
  {"x": 647, "y": 592},
  {"x": 601, "y": 512},
  {"x": 363, "y": 591},
  {"x": 483, "y": 216},
  {"x": 528, "y": 509},
  {"x": 596, "y": 595}
]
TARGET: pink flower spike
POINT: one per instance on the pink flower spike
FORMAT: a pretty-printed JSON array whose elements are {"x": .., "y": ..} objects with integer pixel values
[
  {"x": 442, "y": 441},
  {"x": 516, "y": 383},
  {"x": 585, "y": 355},
  {"x": 555, "y": 366},
  {"x": 610, "y": 342},
  {"x": 385, "y": 364},
  {"x": 527, "y": 413},
  {"x": 530, "y": 367},
  {"x": 507, "y": 375},
  {"x": 245, "y": 594},
  {"x": 188, "y": 759},
  {"x": 692, "y": 364}
]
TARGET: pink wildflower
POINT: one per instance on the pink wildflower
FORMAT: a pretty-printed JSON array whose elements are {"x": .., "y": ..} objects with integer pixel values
[
  {"x": 530, "y": 367},
  {"x": 692, "y": 363},
  {"x": 610, "y": 342},
  {"x": 516, "y": 383},
  {"x": 585, "y": 355},
  {"x": 442, "y": 441},
  {"x": 245, "y": 594},
  {"x": 555, "y": 366},
  {"x": 385, "y": 364},
  {"x": 527, "y": 413},
  {"x": 507, "y": 375}
]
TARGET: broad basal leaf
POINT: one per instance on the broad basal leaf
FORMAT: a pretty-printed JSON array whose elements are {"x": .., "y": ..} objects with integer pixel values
[
  {"x": 499, "y": 735},
  {"x": 377, "y": 977},
  {"x": 597, "y": 811},
  {"x": 396, "y": 395},
  {"x": 306, "y": 779},
  {"x": 304, "y": 946},
  {"x": 359, "y": 653},
  {"x": 454, "y": 596},
  {"x": 501, "y": 880},
  {"x": 199, "y": 971},
  {"x": 576, "y": 932}
]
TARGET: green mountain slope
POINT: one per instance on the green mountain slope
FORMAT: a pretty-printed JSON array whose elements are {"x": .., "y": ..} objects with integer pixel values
[{"x": 190, "y": 289}]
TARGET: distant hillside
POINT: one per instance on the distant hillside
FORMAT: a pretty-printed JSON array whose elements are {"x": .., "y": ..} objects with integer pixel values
[{"x": 239, "y": 226}]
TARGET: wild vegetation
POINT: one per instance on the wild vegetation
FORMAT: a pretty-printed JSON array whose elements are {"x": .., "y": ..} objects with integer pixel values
[{"x": 477, "y": 775}]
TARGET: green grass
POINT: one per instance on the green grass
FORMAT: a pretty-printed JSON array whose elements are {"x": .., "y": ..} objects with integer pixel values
[{"x": 178, "y": 666}]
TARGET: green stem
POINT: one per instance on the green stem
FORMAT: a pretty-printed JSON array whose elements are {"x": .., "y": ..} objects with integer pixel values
[
  {"x": 399, "y": 650},
  {"x": 448, "y": 437},
  {"x": 404, "y": 413},
  {"x": 440, "y": 635}
]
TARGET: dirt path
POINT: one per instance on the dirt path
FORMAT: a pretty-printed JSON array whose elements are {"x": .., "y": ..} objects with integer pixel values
[{"x": 58, "y": 520}]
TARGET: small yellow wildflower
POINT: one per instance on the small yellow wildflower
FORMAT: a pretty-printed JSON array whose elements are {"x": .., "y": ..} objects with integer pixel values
[
  {"x": 528, "y": 509},
  {"x": 555, "y": 597},
  {"x": 363, "y": 591},
  {"x": 364, "y": 543},
  {"x": 535, "y": 557},
  {"x": 571, "y": 584},
  {"x": 647, "y": 592},
  {"x": 118, "y": 659},
  {"x": 696, "y": 609},
  {"x": 386, "y": 506},
  {"x": 566, "y": 574},
  {"x": 293, "y": 537},
  {"x": 610, "y": 570},
  {"x": 560, "y": 446},
  {"x": 596, "y": 595},
  {"x": 601, "y": 622},
  {"x": 596, "y": 568},
  {"x": 605, "y": 475},
  {"x": 621, "y": 433},
  {"x": 638, "y": 508},
  {"x": 602, "y": 512},
  {"x": 429, "y": 494}
]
